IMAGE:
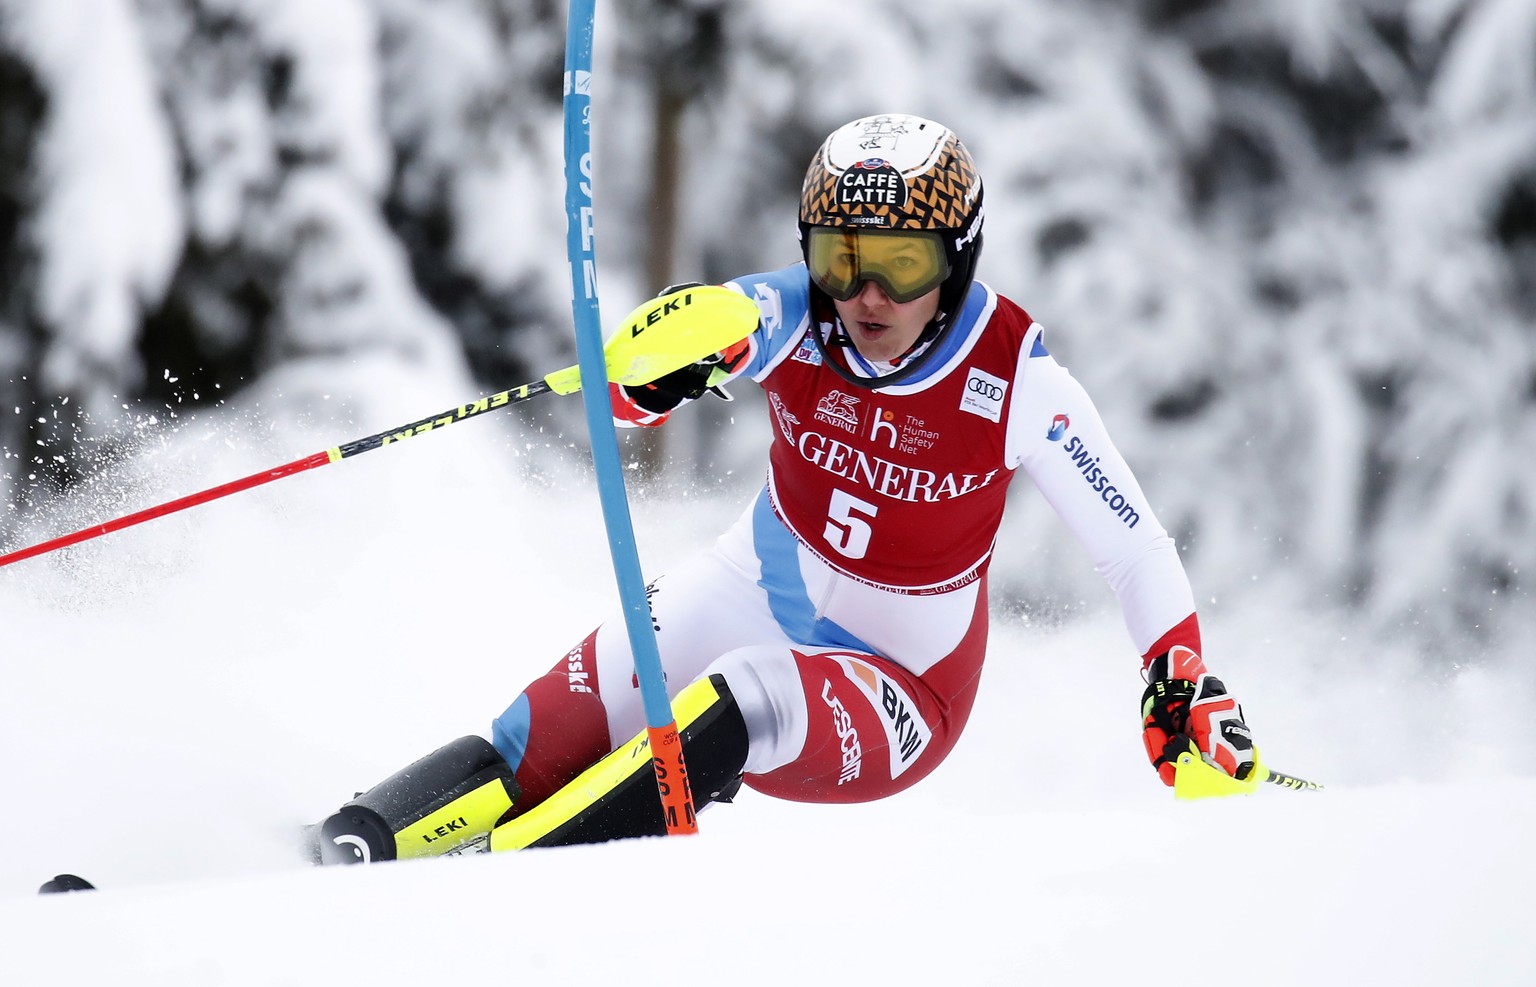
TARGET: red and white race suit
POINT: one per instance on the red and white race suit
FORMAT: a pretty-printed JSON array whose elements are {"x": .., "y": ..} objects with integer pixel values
[{"x": 847, "y": 607}]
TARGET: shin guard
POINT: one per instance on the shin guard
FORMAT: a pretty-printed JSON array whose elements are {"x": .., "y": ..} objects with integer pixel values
[
  {"x": 447, "y": 802},
  {"x": 617, "y": 797}
]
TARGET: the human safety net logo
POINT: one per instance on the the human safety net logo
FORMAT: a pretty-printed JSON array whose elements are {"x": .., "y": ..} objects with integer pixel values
[{"x": 1087, "y": 464}]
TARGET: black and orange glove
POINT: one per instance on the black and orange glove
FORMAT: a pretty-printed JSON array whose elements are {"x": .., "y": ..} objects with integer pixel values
[
  {"x": 691, "y": 382},
  {"x": 1186, "y": 708}
]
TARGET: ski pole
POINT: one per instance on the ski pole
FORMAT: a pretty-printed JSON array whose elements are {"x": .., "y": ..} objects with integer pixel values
[
  {"x": 1290, "y": 781},
  {"x": 660, "y": 336}
]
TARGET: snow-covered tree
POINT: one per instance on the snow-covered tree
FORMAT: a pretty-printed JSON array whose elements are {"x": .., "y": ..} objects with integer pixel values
[{"x": 1289, "y": 245}]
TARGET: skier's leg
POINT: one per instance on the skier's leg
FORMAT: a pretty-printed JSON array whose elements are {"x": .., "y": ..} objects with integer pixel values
[
  {"x": 813, "y": 726},
  {"x": 451, "y": 798},
  {"x": 589, "y": 702},
  {"x": 555, "y": 729},
  {"x": 870, "y": 729},
  {"x": 557, "y": 726},
  {"x": 468, "y": 786},
  {"x": 806, "y": 725},
  {"x": 841, "y": 725}
]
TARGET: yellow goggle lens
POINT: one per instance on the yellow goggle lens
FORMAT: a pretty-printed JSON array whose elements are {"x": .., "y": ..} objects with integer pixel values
[{"x": 906, "y": 264}]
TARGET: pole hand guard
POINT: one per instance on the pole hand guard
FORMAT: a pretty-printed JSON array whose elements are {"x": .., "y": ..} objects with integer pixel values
[{"x": 708, "y": 374}]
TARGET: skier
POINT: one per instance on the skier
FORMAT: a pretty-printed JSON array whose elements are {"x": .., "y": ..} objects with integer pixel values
[{"x": 828, "y": 646}]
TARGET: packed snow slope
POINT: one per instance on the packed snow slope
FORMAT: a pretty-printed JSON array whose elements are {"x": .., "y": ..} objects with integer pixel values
[{"x": 178, "y": 698}]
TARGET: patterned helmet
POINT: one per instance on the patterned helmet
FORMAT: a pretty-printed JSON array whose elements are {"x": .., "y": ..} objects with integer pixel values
[{"x": 896, "y": 172}]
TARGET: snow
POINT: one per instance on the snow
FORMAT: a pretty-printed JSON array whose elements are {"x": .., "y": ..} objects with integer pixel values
[{"x": 181, "y": 696}]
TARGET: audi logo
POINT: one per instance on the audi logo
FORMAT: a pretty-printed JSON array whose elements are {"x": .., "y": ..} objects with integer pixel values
[{"x": 976, "y": 385}]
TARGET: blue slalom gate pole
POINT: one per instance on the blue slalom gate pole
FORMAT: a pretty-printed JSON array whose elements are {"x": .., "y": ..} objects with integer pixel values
[{"x": 666, "y": 745}]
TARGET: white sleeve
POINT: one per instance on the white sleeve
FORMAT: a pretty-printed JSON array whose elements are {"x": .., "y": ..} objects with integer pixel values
[{"x": 1055, "y": 433}]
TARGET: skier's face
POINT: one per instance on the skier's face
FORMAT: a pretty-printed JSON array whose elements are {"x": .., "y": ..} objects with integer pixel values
[{"x": 881, "y": 329}]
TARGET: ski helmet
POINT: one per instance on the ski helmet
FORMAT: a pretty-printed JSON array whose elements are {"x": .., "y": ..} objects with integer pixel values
[{"x": 898, "y": 184}]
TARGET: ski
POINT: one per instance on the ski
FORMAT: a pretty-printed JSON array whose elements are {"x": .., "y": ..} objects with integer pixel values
[{"x": 64, "y": 883}]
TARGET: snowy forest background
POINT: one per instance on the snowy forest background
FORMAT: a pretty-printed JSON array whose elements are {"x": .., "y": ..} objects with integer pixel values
[{"x": 1288, "y": 245}]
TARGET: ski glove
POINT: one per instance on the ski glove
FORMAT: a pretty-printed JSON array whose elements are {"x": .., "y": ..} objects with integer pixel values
[
  {"x": 1187, "y": 708},
  {"x": 689, "y": 383}
]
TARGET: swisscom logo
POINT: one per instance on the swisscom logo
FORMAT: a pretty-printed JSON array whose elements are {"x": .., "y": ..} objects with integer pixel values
[{"x": 1087, "y": 464}]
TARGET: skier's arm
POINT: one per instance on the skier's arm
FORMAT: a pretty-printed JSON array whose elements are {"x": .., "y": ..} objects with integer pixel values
[{"x": 1058, "y": 436}]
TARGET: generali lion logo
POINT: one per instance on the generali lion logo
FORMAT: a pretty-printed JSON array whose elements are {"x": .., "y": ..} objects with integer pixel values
[
  {"x": 839, "y": 410},
  {"x": 787, "y": 421}
]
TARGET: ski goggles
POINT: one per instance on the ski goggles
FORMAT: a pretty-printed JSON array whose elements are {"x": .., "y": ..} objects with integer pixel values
[{"x": 906, "y": 264}]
